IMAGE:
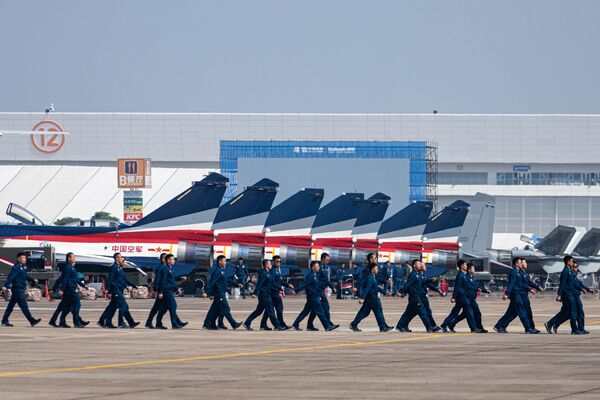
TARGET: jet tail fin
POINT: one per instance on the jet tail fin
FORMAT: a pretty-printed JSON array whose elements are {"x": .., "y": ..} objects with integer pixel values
[
  {"x": 337, "y": 218},
  {"x": 296, "y": 214},
  {"x": 247, "y": 212},
  {"x": 561, "y": 240},
  {"x": 194, "y": 208},
  {"x": 478, "y": 230},
  {"x": 589, "y": 245},
  {"x": 370, "y": 215},
  {"x": 407, "y": 224},
  {"x": 445, "y": 226}
]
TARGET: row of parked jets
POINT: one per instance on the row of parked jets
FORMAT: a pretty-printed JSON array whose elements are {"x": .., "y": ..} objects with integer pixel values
[{"x": 197, "y": 228}]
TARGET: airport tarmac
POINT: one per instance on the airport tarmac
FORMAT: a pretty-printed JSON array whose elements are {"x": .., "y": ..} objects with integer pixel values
[{"x": 45, "y": 362}]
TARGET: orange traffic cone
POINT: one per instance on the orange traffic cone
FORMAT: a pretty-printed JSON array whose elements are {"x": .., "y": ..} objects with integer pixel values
[
  {"x": 46, "y": 292},
  {"x": 104, "y": 292}
]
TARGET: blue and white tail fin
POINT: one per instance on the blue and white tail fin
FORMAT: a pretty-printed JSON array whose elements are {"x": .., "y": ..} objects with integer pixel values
[
  {"x": 446, "y": 225},
  {"x": 194, "y": 208},
  {"x": 296, "y": 214},
  {"x": 247, "y": 212},
  {"x": 337, "y": 218},
  {"x": 370, "y": 215},
  {"x": 408, "y": 224}
]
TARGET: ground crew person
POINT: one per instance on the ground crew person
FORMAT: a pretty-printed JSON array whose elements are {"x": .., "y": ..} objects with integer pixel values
[
  {"x": 397, "y": 279},
  {"x": 17, "y": 282},
  {"x": 263, "y": 291},
  {"x": 217, "y": 289},
  {"x": 277, "y": 287},
  {"x": 167, "y": 289},
  {"x": 156, "y": 306},
  {"x": 368, "y": 295},
  {"x": 241, "y": 271},
  {"x": 313, "y": 287},
  {"x": 117, "y": 283},
  {"x": 415, "y": 288},
  {"x": 458, "y": 289}
]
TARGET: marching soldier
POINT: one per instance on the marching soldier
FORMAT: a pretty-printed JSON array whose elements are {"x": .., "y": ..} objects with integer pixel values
[
  {"x": 167, "y": 288},
  {"x": 17, "y": 282},
  {"x": 217, "y": 288},
  {"x": 117, "y": 283},
  {"x": 155, "y": 283},
  {"x": 325, "y": 283},
  {"x": 313, "y": 287},
  {"x": 368, "y": 295},
  {"x": 415, "y": 287},
  {"x": 277, "y": 287},
  {"x": 265, "y": 303}
]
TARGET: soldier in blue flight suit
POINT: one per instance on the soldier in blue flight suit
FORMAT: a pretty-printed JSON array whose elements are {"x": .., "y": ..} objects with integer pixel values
[
  {"x": 528, "y": 284},
  {"x": 470, "y": 309},
  {"x": 265, "y": 303},
  {"x": 415, "y": 287},
  {"x": 570, "y": 290},
  {"x": 217, "y": 288},
  {"x": 17, "y": 281},
  {"x": 167, "y": 288},
  {"x": 241, "y": 272},
  {"x": 429, "y": 286},
  {"x": 117, "y": 282},
  {"x": 568, "y": 308},
  {"x": 63, "y": 306},
  {"x": 69, "y": 284},
  {"x": 277, "y": 286},
  {"x": 517, "y": 290},
  {"x": 313, "y": 287},
  {"x": 368, "y": 295},
  {"x": 325, "y": 283},
  {"x": 156, "y": 306},
  {"x": 458, "y": 290}
]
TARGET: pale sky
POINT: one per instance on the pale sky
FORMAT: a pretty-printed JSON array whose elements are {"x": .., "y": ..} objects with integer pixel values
[{"x": 534, "y": 56}]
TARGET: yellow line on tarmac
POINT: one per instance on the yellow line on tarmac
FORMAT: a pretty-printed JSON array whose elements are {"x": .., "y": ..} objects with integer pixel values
[{"x": 220, "y": 356}]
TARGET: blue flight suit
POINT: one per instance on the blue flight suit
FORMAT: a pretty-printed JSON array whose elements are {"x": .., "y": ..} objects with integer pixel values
[
  {"x": 313, "y": 287},
  {"x": 276, "y": 284},
  {"x": 471, "y": 309},
  {"x": 217, "y": 288},
  {"x": 397, "y": 279},
  {"x": 17, "y": 281},
  {"x": 157, "y": 302},
  {"x": 371, "y": 302},
  {"x": 73, "y": 303},
  {"x": 63, "y": 306},
  {"x": 416, "y": 290},
  {"x": 241, "y": 271},
  {"x": 116, "y": 283},
  {"x": 383, "y": 277},
  {"x": 265, "y": 303},
  {"x": 323, "y": 276},
  {"x": 427, "y": 284},
  {"x": 572, "y": 308},
  {"x": 526, "y": 284},
  {"x": 167, "y": 286},
  {"x": 458, "y": 291},
  {"x": 517, "y": 290}
]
